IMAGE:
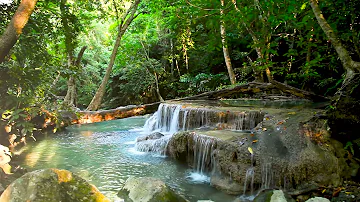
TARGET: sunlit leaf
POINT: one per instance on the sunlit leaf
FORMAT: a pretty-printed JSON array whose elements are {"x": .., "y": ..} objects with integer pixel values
[{"x": 250, "y": 150}]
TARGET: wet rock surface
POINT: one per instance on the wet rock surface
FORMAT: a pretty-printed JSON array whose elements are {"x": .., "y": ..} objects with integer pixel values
[
  {"x": 51, "y": 185},
  {"x": 290, "y": 148},
  {"x": 147, "y": 189}
]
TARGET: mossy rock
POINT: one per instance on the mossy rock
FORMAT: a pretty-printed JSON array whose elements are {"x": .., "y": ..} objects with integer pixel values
[
  {"x": 52, "y": 185},
  {"x": 147, "y": 189}
]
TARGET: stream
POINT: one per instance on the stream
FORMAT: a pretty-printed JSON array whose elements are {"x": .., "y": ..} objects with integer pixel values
[{"x": 105, "y": 155}]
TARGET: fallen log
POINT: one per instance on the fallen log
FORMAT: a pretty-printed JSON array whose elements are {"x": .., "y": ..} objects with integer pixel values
[
  {"x": 298, "y": 92},
  {"x": 254, "y": 88},
  {"x": 112, "y": 114},
  {"x": 249, "y": 88}
]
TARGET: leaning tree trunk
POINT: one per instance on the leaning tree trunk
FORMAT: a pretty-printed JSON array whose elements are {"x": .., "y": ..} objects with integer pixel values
[
  {"x": 344, "y": 116},
  {"x": 14, "y": 29},
  {"x": 123, "y": 25},
  {"x": 349, "y": 65},
  {"x": 224, "y": 45}
]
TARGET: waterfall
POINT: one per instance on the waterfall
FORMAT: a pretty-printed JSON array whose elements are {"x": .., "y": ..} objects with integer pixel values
[
  {"x": 250, "y": 174},
  {"x": 171, "y": 118},
  {"x": 203, "y": 150},
  {"x": 204, "y": 160},
  {"x": 267, "y": 176}
]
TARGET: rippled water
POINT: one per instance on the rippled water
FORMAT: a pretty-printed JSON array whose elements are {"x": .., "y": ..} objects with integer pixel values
[{"x": 104, "y": 154}]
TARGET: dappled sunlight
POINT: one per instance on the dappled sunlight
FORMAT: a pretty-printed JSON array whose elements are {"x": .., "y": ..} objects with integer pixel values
[
  {"x": 86, "y": 133},
  {"x": 108, "y": 115},
  {"x": 43, "y": 150}
]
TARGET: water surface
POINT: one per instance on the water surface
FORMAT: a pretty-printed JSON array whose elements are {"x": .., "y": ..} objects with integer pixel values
[{"x": 103, "y": 153}]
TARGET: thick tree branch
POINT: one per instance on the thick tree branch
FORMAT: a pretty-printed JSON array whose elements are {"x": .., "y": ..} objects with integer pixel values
[
  {"x": 344, "y": 55},
  {"x": 14, "y": 29}
]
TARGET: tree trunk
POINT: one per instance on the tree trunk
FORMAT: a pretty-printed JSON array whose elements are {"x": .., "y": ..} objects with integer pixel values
[
  {"x": 157, "y": 89},
  {"x": 70, "y": 98},
  {"x": 224, "y": 45},
  {"x": 349, "y": 65},
  {"x": 124, "y": 24},
  {"x": 14, "y": 29},
  {"x": 257, "y": 74}
]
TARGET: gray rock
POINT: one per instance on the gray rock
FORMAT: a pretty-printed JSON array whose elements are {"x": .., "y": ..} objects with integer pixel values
[
  {"x": 318, "y": 199},
  {"x": 51, "y": 185},
  {"x": 147, "y": 189},
  {"x": 152, "y": 136},
  {"x": 226, "y": 185},
  {"x": 289, "y": 144}
]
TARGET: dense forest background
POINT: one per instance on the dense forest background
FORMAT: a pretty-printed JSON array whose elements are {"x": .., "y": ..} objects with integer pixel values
[{"x": 151, "y": 50}]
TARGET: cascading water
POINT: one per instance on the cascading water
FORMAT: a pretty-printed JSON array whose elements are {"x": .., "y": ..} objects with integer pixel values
[
  {"x": 171, "y": 118},
  {"x": 250, "y": 174},
  {"x": 203, "y": 157}
]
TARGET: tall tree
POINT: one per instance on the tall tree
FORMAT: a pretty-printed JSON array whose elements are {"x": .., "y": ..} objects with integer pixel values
[
  {"x": 225, "y": 46},
  {"x": 124, "y": 23},
  {"x": 14, "y": 29},
  {"x": 70, "y": 98}
]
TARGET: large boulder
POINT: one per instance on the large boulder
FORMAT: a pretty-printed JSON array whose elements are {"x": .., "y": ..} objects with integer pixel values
[
  {"x": 291, "y": 148},
  {"x": 147, "y": 189},
  {"x": 51, "y": 185}
]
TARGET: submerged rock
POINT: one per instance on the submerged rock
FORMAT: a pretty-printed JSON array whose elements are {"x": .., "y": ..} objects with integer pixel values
[
  {"x": 51, "y": 185},
  {"x": 147, "y": 189}
]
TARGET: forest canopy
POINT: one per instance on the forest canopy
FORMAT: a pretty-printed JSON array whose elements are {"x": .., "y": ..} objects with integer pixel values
[{"x": 110, "y": 53}]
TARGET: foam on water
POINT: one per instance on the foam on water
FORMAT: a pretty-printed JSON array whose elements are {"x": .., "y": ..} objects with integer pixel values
[
  {"x": 198, "y": 178},
  {"x": 130, "y": 142},
  {"x": 133, "y": 150}
]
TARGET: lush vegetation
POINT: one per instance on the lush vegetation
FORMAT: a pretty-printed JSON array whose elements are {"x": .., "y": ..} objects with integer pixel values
[{"x": 169, "y": 49}]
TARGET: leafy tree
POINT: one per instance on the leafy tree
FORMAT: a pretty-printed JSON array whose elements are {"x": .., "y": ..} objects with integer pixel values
[{"x": 124, "y": 23}]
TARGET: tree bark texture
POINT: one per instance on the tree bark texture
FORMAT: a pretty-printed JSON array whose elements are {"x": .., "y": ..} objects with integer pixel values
[
  {"x": 14, "y": 29},
  {"x": 70, "y": 98},
  {"x": 224, "y": 45},
  {"x": 349, "y": 65},
  {"x": 123, "y": 25}
]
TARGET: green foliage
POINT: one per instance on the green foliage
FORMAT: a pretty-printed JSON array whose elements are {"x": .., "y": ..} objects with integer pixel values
[
  {"x": 177, "y": 42},
  {"x": 349, "y": 147},
  {"x": 203, "y": 82}
]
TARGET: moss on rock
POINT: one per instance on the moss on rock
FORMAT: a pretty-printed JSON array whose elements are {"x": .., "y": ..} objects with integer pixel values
[{"x": 51, "y": 185}]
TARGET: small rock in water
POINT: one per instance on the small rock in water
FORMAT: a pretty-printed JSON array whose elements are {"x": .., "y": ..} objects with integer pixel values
[
  {"x": 318, "y": 199},
  {"x": 152, "y": 136}
]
